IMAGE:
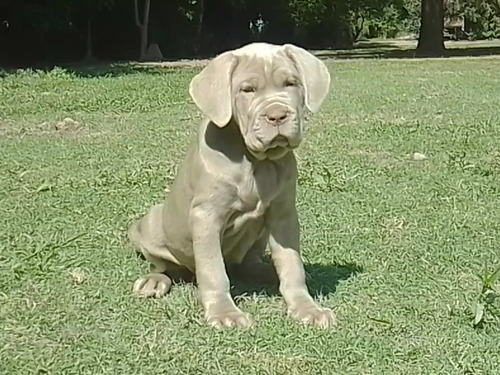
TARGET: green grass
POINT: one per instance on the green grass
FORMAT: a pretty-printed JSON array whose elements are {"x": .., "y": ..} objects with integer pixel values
[{"x": 397, "y": 247}]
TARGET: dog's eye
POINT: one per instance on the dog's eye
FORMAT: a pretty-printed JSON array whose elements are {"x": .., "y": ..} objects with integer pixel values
[{"x": 247, "y": 88}]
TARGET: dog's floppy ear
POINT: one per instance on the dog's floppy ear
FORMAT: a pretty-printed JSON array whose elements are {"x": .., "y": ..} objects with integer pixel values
[
  {"x": 314, "y": 76},
  {"x": 211, "y": 89}
]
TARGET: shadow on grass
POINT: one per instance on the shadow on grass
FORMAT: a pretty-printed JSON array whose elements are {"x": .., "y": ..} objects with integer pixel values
[
  {"x": 108, "y": 69},
  {"x": 397, "y": 53},
  {"x": 370, "y": 49},
  {"x": 322, "y": 280},
  {"x": 391, "y": 49}
]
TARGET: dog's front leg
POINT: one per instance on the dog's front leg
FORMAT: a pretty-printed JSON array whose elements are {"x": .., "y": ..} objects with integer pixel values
[
  {"x": 284, "y": 246},
  {"x": 213, "y": 282}
]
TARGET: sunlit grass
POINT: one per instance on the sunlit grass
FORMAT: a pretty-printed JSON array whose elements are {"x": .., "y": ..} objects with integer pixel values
[{"x": 394, "y": 245}]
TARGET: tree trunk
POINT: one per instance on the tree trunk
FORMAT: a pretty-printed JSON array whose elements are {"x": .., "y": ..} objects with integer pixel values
[
  {"x": 143, "y": 27},
  {"x": 431, "y": 38},
  {"x": 88, "y": 55},
  {"x": 199, "y": 32}
]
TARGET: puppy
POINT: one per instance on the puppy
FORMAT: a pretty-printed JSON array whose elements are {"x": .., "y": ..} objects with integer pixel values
[{"x": 235, "y": 191}]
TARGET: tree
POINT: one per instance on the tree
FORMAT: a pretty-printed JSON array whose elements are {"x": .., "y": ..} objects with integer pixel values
[
  {"x": 143, "y": 26},
  {"x": 431, "y": 38},
  {"x": 199, "y": 29},
  {"x": 90, "y": 8}
]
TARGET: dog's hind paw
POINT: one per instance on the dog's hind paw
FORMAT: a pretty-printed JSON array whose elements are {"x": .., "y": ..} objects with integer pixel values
[{"x": 152, "y": 285}]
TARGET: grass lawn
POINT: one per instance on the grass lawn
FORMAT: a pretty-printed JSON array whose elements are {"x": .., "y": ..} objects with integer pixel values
[{"x": 395, "y": 246}]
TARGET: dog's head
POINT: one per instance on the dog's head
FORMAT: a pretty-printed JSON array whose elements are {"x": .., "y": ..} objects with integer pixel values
[{"x": 265, "y": 88}]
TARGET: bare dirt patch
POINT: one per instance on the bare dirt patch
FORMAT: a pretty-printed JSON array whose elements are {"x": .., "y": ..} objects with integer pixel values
[
  {"x": 184, "y": 63},
  {"x": 67, "y": 127},
  {"x": 378, "y": 157}
]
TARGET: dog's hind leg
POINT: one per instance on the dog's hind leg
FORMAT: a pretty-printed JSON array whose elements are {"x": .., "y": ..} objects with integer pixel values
[{"x": 145, "y": 234}]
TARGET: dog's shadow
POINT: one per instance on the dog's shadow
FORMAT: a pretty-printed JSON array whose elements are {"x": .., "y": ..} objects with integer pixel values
[{"x": 322, "y": 280}]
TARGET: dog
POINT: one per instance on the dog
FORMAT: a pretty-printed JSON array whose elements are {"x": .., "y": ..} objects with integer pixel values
[{"x": 235, "y": 191}]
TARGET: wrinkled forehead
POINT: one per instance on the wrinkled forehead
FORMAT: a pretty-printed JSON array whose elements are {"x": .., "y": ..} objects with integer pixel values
[{"x": 275, "y": 66}]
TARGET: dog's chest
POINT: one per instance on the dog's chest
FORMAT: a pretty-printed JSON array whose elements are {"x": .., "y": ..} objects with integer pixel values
[{"x": 257, "y": 190}]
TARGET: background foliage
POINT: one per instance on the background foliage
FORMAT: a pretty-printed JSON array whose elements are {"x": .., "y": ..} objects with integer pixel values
[
  {"x": 483, "y": 18},
  {"x": 57, "y": 30}
]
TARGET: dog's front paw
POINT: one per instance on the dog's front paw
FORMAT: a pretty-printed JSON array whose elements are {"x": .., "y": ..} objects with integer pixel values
[
  {"x": 230, "y": 318},
  {"x": 152, "y": 285},
  {"x": 313, "y": 314}
]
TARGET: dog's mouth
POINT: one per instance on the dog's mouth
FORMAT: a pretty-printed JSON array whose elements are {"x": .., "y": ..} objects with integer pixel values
[
  {"x": 279, "y": 141},
  {"x": 277, "y": 148}
]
